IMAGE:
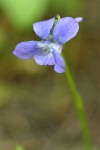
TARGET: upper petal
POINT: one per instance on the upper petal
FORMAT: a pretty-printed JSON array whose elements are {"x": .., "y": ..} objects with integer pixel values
[
  {"x": 42, "y": 29},
  {"x": 59, "y": 62},
  {"x": 25, "y": 50},
  {"x": 65, "y": 29}
]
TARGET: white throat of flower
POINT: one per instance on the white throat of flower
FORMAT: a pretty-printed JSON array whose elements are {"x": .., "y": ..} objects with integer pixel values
[
  {"x": 47, "y": 48},
  {"x": 57, "y": 47}
]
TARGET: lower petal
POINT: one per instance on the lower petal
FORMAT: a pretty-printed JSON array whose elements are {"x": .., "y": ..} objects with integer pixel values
[
  {"x": 44, "y": 58},
  {"x": 25, "y": 50},
  {"x": 59, "y": 62}
]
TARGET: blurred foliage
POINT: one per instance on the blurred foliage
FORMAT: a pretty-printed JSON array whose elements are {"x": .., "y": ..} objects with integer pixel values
[
  {"x": 3, "y": 38},
  {"x": 68, "y": 7},
  {"x": 23, "y": 13},
  {"x": 18, "y": 147},
  {"x": 5, "y": 93}
]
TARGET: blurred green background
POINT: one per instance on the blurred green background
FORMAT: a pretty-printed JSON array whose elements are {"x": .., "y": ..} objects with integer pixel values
[{"x": 36, "y": 105}]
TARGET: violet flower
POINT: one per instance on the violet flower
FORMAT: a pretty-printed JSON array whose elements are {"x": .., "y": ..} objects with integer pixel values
[{"x": 48, "y": 51}]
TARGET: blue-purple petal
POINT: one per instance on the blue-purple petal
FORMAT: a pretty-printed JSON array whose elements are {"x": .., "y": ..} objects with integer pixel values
[
  {"x": 65, "y": 30},
  {"x": 42, "y": 29},
  {"x": 44, "y": 58},
  {"x": 59, "y": 62},
  {"x": 25, "y": 50},
  {"x": 79, "y": 19}
]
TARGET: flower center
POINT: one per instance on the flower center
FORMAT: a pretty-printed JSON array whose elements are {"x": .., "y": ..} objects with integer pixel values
[
  {"x": 47, "y": 47},
  {"x": 56, "y": 46}
]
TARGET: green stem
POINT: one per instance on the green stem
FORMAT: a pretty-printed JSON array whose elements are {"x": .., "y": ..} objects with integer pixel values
[{"x": 80, "y": 109}]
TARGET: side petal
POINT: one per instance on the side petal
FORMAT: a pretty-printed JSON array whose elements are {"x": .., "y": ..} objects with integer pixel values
[
  {"x": 65, "y": 30},
  {"x": 25, "y": 50},
  {"x": 42, "y": 29},
  {"x": 44, "y": 57},
  {"x": 59, "y": 62},
  {"x": 79, "y": 19}
]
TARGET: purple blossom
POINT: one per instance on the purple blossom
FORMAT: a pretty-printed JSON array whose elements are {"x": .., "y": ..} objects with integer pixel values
[{"x": 48, "y": 51}]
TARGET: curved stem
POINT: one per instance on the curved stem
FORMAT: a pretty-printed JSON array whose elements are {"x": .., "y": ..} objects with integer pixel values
[{"x": 80, "y": 110}]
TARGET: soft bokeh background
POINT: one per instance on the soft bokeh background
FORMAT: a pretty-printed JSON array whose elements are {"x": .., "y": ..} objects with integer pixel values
[{"x": 36, "y": 105}]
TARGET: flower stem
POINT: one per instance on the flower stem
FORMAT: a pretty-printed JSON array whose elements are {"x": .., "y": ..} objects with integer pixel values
[{"x": 80, "y": 110}]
